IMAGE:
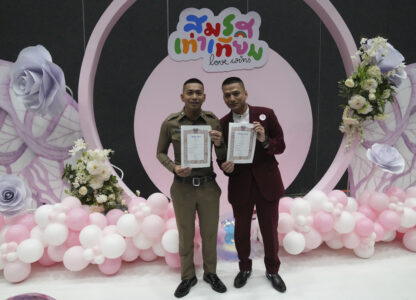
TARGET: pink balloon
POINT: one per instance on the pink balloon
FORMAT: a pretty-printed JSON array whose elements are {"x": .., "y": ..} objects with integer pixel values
[
  {"x": 378, "y": 201},
  {"x": 2, "y": 222},
  {"x": 158, "y": 202},
  {"x": 56, "y": 253},
  {"x": 364, "y": 227},
  {"x": 153, "y": 226},
  {"x": 390, "y": 220},
  {"x": 284, "y": 204},
  {"x": 16, "y": 271},
  {"x": 171, "y": 224},
  {"x": 77, "y": 218},
  {"x": 74, "y": 259},
  {"x": 339, "y": 195},
  {"x": 72, "y": 239},
  {"x": 280, "y": 237},
  {"x": 409, "y": 240},
  {"x": 197, "y": 237},
  {"x": 71, "y": 202},
  {"x": 350, "y": 240},
  {"x": 16, "y": 233},
  {"x": 170, "y": 212},
  {"x": 134, "y": 202},
  {"x": 148, "y": 255},
  {"x": 131, "y": 253},
  {"x": 113, "y": 216},
  {"x": 364, "y": 196},
  {"x": 27, "y": 220},
  {"x": 110, "y": 266},
  {"x": 396, "y": 192},
  {"x": 45, "y": 260},
  {"x": 98, "y": 219},
  {"x": 411, "y": 192},
  {"x": 323, "y": 222},
  {"x": 379, "y": 230},
  {"x": 368, "y": 212},
  {"x": 173, "y": 260}
]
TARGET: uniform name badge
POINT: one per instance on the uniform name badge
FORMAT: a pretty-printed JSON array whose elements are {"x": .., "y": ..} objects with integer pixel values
[
  {"x": 195, "y": 146},
  {"x": 241, "y": 143}
]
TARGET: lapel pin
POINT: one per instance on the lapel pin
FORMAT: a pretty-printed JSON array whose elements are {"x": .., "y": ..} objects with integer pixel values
[{"x": 262, "y": 117}]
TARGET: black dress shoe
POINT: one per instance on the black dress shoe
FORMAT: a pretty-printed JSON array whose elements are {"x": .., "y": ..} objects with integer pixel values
[
  {"x": 241, "y": 278},
  {"x": 184, "y": 287},
  {"x": 277, "y": 282},
  {"x": 215, "y": 282}
]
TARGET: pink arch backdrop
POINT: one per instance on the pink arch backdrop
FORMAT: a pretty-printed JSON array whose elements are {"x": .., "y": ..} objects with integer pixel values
[{"x": 324, "y": 9}]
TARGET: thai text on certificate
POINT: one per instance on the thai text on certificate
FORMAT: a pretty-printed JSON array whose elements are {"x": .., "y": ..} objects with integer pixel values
[
  {"x": 241, "y": 143},
  {"x": 195, "y": 146}
]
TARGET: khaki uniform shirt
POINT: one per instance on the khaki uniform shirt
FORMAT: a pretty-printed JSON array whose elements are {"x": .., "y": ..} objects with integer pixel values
[{"x": 170, "y": 132}]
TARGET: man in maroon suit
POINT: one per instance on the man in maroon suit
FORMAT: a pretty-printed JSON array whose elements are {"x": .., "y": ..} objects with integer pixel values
[{"x": 257, "y": 184}]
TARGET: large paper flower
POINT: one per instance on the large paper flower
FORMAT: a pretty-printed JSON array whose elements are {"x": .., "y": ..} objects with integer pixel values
[
  {"x": 38, "y": 82},
  {"x": 386, "y": 157},
  {"x": 15, "y": 197}
]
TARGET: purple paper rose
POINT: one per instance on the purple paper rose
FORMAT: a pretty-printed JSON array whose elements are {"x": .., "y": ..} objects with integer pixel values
[
  {"x": 38, "y": 82},
  {"x": 15, "y": 197},
  {"x": 386, "y": 157}
]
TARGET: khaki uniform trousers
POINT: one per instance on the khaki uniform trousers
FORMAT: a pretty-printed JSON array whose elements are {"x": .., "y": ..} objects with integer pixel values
[{"x": 187, "y": 200}]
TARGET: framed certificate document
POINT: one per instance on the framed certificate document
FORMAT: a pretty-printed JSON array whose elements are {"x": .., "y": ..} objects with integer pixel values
[
  {"x": 195, "y": 146},
  {"x": 241, "y": 143}
]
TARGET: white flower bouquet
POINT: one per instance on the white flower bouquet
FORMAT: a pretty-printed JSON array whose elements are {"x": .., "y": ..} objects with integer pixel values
[
  {"x": 369, "y": 88},
  {"x": 91, "y": 178}
]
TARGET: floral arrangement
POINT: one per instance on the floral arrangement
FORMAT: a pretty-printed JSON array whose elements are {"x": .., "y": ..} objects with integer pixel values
[
  {"x": 370, "y": 87},
  {"x": 92, "y": 180}
]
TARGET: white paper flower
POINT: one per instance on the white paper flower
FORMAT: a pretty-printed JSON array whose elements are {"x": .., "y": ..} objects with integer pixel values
[
  {"x": 357, "y": 101},
  {"x": 386, "y": 157},
  {"x": 349, "y": 83}
]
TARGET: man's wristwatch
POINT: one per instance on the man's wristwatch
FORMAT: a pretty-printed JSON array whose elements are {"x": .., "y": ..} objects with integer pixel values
[{"x": 265, "y": 144}]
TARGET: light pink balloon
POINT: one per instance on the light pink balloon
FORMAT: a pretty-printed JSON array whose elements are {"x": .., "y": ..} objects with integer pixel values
[
  {"x": 74, "y": 259},
  {"x": 110, "y": 266},
  {"x": 197, "y": 237},
  {"x": 409, "y": 240},
  {"x": 285, "y": 223},
  {"x": 171, "y": 224},
  {"x": 390, "y": 220},
  {"x": 113, "y": 216},
  {"x": 27, "y": 220},
  {"x": 16, "y": 233},
  {"x": 98, "y": 219},
  {"x": 131, "y": 253},
  {"x": 45, "y": 260},
  {"x": 71, "y": 202},
  {"x": 364, "y": 227},
  {"x": 148, "y": 255},
  {"x": 153, "y": 226},
  {"x": 379, "y": 230},
  {"x": 56, "y": 253},
  {"x": 368, "y": 212},
  {"x": 323, "y": 222},
  {"x": 411, "y": 192},
  {"x": 72, "y": 239},
  {"x": 158, "y": 202},
  {"x": 77, "y": 218},
  {"x": 350, "y": 240},
  {"x": 339, "y": 195},
  {"x": 284, "y": 204},
  {"x": 170, "y": 211},
  {"x": 16, "y": 271},
  {"x": 378, "y": 201},
  {"x": 280, "y": 237},
  {"x": 2, "y": 222},
  {"x": 396, "y": 192},
  {"x": 173, "y": 260},
  {"x": 134, "y": 202},
  {"x": 364, "y": 196},
  {"x": 313, "y": 239}
]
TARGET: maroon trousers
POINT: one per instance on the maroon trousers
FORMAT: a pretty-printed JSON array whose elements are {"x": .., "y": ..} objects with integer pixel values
[{"x": 267, "y": 214}]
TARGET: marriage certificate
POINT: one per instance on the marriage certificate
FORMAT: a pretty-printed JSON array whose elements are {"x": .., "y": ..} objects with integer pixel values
[
  {"x": 241, "y": 143},
  {"x": 195, "y": 146}
]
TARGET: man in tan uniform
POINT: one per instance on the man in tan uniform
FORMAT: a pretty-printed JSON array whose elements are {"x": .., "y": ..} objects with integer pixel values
[{"x": 193, "y": 190}]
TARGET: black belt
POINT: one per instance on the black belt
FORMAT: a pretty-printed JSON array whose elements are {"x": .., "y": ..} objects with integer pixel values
[{"x": 196, "y": 181}]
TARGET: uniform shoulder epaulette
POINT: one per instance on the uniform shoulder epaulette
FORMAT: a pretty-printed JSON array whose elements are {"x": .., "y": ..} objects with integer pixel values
[
  {"x": 173, "y": 116},
  {"x": 210, "y": 114}
]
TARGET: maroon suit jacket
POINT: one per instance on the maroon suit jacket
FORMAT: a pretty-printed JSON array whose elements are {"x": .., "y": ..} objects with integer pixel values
[{"x": 264, "y": 167}]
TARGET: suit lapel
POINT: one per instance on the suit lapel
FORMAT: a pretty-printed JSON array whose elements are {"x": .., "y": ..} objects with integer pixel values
[{"x": 251, "y": 113}]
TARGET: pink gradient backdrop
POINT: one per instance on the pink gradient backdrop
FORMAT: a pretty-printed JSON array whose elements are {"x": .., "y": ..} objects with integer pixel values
[{"x": 276, "y": 85}]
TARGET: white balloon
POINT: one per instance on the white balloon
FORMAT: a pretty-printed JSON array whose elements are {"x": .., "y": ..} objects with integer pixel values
[
  {"x": 99, "y": 259},
  {"x": 158, "y": 249},
  {"x": 30, "y": 250},
  {"x": 335, "y": 243},
  {"x": 113, "y": 245},
  {"x": 11, "y": 256},
  {"x": 285, "y": 223},
  {"x": 410, "y": 202},
  {"x": 408, "y": 219},
  {"x": 128, "y": 226},
  {"x": 294, "y": 243},
  {"x": 142, "y": 242},
  {"x": 88, "y": 254},
  {"x": 42, "y": 215},
  {"x": 345, "y": 223},
  {"x": 300, "y": 207},
  {"x": 316, "y": 200},
  {"x": 56, "y": 234},
  {"x": 56, "y": 253},
  {"x": 16, "y": 271},
  {"x": 351, "y": 240},
  {"x": 170, "y": 241},
  {"x": 389, "y": 236},
  {"x": 90, "y": 236},
  {"x": 1, "y": 264},
  {"x": 313, "y": 239},
  {"x": 352, "y": 204},
  {"x": 364, "y": 252},
  {"x": 37, "y": 233}
]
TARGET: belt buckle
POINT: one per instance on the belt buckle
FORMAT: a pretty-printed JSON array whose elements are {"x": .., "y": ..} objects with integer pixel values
[{"x": 196, "y": 181}]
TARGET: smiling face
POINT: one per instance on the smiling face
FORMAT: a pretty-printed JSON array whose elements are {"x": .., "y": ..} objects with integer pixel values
[
  {"x": 235, "y": 97},
  {"x": 193, "y": 96}
]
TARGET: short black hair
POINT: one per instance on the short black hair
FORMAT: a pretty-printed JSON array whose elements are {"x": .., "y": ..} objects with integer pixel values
[
  {"x": 193, "y": 80},
  {"x": 231, "y": 80}
]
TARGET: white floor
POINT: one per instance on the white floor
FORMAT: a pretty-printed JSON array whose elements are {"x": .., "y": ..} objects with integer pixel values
[{"x": 320, "y": 274}]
